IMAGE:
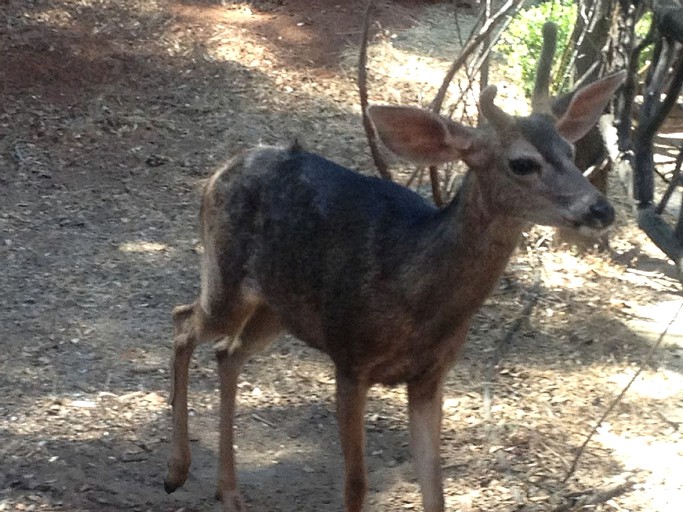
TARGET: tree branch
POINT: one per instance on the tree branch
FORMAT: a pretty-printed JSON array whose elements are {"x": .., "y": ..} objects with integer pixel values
[
  {"x": 472, "y": 45},
  {"x": 380, "y": 164}
]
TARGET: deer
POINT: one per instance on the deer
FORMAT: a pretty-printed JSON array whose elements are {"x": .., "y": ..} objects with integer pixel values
[{"x": 368, "y": 271}]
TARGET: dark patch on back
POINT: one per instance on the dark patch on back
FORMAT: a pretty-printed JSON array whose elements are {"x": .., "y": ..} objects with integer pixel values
[{"x": 328, "y": 252}]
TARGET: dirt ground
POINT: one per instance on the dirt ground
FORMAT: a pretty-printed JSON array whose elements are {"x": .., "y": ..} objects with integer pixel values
[{"x": 112, "y": 113}]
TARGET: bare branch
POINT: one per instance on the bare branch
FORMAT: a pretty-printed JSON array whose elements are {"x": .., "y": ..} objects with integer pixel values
[
  {"x": 655, "y": 120},
  {"x": 629, "y": 90},
  {"x": 673, "y": 183},
  {"x": 485, "y": 32},
  {"x": 380, "y": 164}
]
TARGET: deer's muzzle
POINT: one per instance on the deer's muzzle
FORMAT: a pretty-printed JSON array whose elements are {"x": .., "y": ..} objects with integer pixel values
[{"x": 599, "y": 216}]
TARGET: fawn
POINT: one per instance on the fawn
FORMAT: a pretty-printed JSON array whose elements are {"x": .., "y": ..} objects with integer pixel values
[{"x": 368, "y": 271}]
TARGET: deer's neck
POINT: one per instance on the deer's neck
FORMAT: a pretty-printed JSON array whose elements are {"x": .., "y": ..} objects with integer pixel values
[
  {"x": 474, "y": 243},
  {"x": 477, "y": 227}
]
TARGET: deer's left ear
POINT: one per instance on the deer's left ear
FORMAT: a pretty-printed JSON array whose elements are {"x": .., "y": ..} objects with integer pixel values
[
  {"x": 421, "y": 136},
  {"x": 587, "y": 105}
]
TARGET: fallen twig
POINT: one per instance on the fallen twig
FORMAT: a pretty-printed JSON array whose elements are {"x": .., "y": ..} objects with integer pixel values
[
  {"x": 579, "y": 500},
  {"x": 609, "y": 410},
  {"x": 261, "y": 419}
]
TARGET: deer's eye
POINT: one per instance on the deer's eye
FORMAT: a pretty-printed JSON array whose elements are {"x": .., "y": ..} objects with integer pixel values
[{"x": 524, "y": 166}]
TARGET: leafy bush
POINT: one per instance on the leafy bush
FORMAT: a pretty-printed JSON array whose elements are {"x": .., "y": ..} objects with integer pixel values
[{"x": 520, "y": 44}]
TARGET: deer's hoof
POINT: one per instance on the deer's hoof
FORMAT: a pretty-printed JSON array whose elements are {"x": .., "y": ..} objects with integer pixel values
[
  {"x": 178, "y": 470},
  {"x": 232, "y": 501},
  {"x": 169, "y": 486}
]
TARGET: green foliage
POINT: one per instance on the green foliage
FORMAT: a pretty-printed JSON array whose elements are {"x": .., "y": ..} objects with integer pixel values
[
  {"x": 520, "y": 45},
  {"x": 643, "y": 25},
  {"x": 642, "y": 28}
]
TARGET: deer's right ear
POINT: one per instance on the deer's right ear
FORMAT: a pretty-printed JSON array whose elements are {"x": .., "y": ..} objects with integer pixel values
[
  {"x": 587, "y": 105},
  {"x": 421, "y": 136}
]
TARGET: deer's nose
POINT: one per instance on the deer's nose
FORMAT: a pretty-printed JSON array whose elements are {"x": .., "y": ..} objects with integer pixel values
[{"x": 601, "y": 213}]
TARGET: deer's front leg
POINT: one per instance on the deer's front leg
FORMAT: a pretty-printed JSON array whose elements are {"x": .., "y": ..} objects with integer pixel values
[
  {"x": 184, "y": 342},
  {"x": 351, "y": 398},
  {"x": 424, "y": 408}
]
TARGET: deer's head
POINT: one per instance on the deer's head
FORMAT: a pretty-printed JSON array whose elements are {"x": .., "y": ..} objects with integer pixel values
[{"x": 524, "y": 165}]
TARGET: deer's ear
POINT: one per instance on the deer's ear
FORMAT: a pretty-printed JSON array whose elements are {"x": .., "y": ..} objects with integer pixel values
[
  {"x": 587, "y": 105},
  {"x": 421, "y": 136}
]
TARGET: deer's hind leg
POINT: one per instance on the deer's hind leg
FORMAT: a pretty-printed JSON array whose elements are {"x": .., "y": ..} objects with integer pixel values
[
  {"x": 221, "y": 311},
  {"x": 258, "y": 330},
  {"x": 192, "y": 325}
]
